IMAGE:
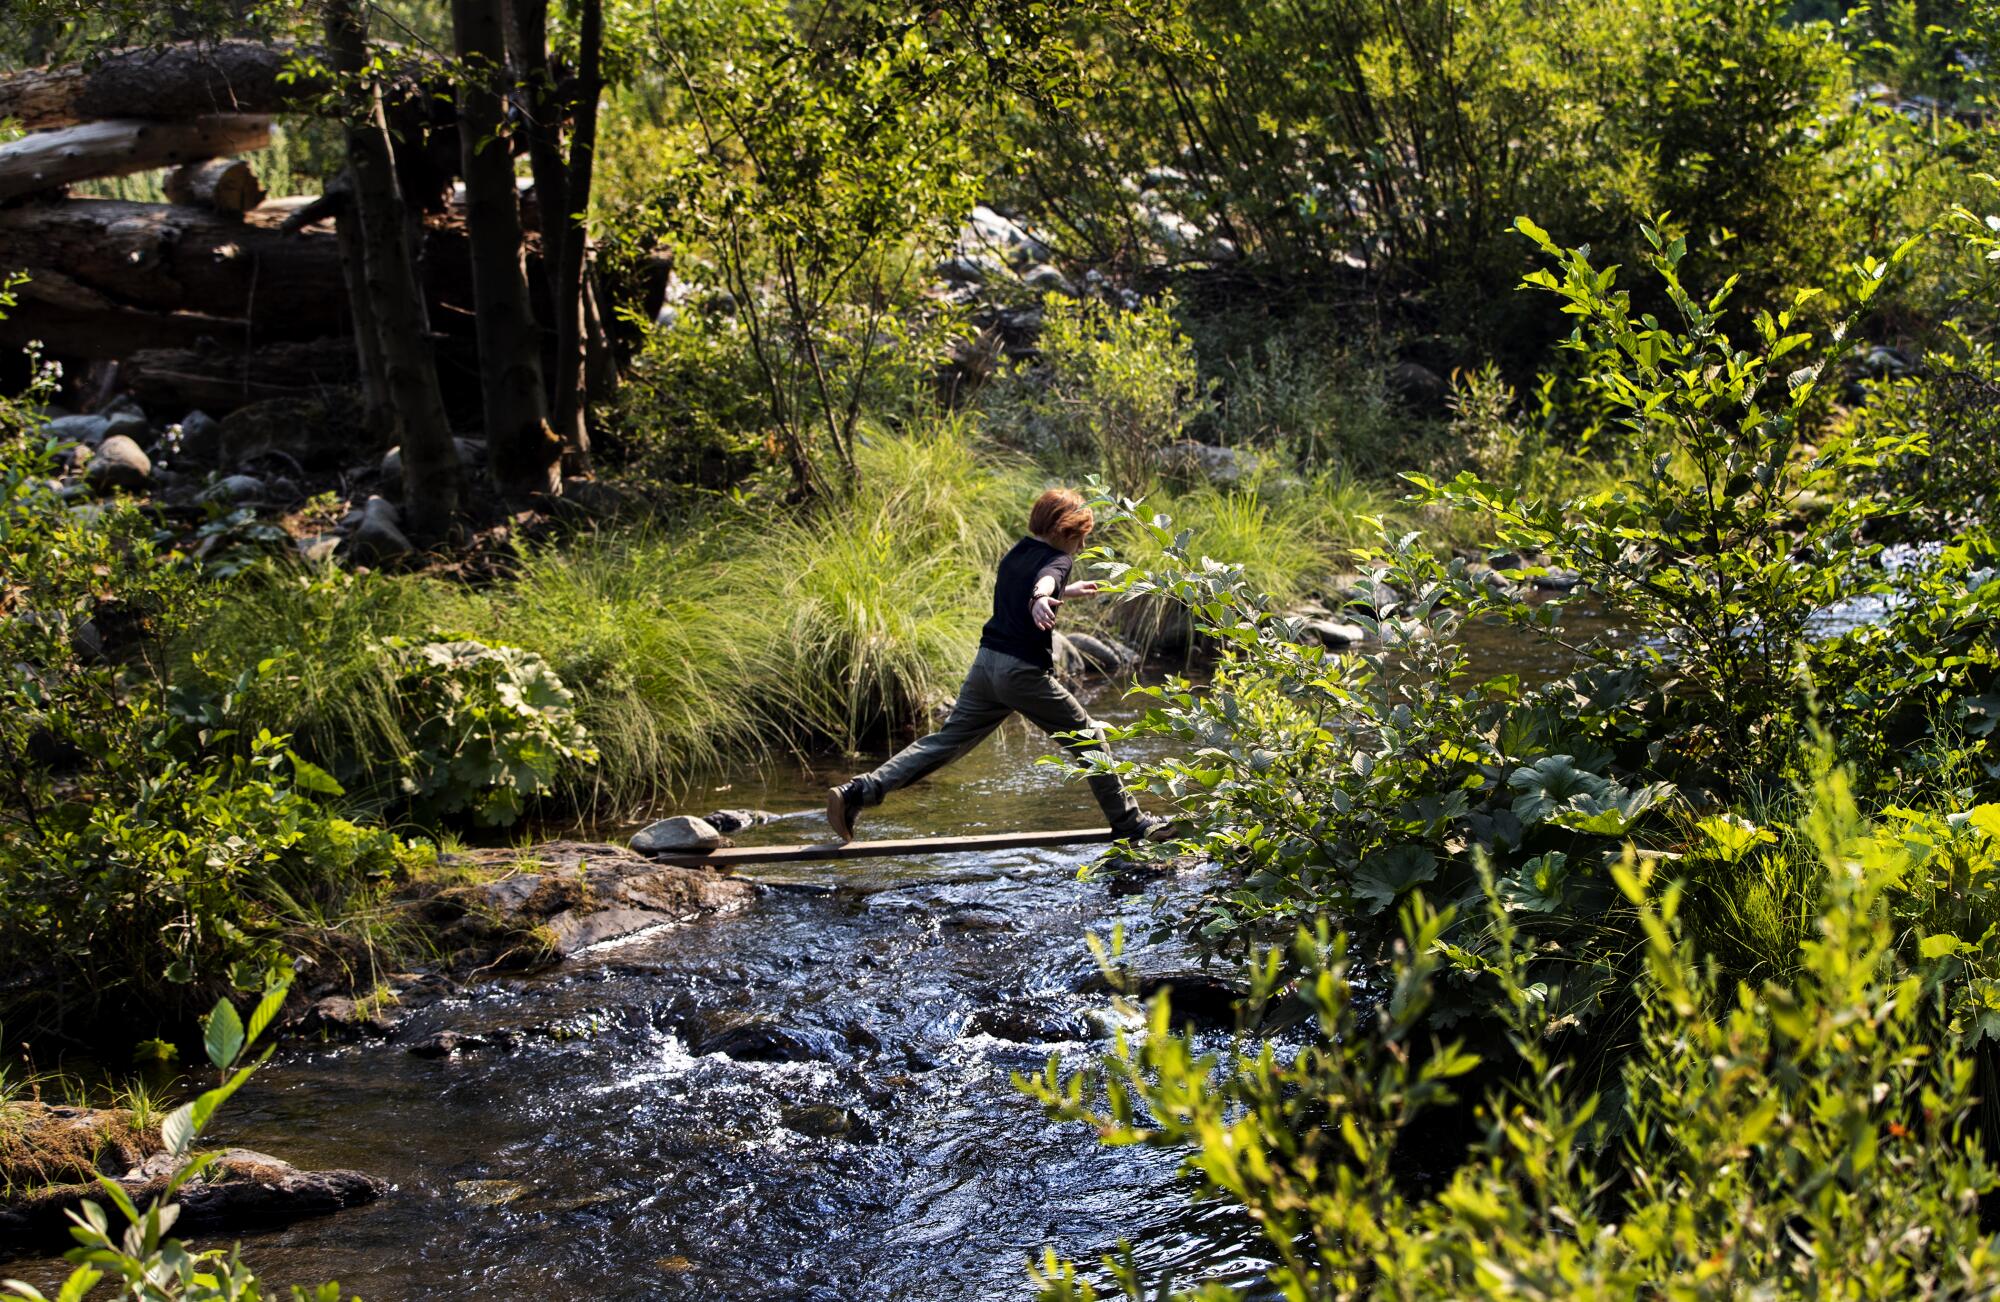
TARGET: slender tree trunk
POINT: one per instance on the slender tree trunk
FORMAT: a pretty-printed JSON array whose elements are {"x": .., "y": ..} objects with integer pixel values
[
  {"x": 571, "y": 398},
  {"x": 541, "y": 111},
  {"x": 430, "y": 458},
  {"x": 375, "y": 412},
  {"x": 526, "y": 455}
]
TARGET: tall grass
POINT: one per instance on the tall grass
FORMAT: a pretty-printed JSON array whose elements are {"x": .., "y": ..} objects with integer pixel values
[
  {"x": 707, "y": 640},
  {"x": 1292, "y": 537}
]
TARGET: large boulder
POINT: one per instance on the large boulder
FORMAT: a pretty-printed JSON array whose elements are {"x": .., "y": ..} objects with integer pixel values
[
  {"x": 128, "y": 421},
  {"x": 565, "y": 896},
  {"x": 117, "y": 463}
]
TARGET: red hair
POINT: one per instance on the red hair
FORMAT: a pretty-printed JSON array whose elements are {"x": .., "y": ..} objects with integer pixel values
[{"x": 1061, "y": 517}]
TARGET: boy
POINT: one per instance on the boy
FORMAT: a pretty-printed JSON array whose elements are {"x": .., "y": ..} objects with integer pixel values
[{"x": 1014, "y": 671}]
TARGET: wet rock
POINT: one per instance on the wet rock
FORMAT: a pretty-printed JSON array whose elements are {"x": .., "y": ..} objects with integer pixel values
[
  {"x": 118, "y": 462},
  {"x": 450, "y": 1044},
  {"x": 379, "y": 536},
  {"x": 242, "y": 1187},
  {"x": 727, "y": 821},
  {"x": 681, "y": 834},
  {"x": 1333, "y": 635},
  {"x": 565, "y": 896},
  {"x": 339, "y": 1017},
  {"x": 976, "y": 917},
  {"x": 757, "y": 1038},
  {"x": 488, "y": 1193},
  {"x": 1029, "y": 1022},
  {"x": 1557, "y": 580},
  {"x": 820, "y": 1120},
  {"x": 1207, "y": 999},
  {"x": 1102, "y": 654},
  {"x": 87, "y": 430}
]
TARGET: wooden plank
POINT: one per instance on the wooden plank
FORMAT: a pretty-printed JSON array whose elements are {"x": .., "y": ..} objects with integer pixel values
[{"x": 730, "y": 856}]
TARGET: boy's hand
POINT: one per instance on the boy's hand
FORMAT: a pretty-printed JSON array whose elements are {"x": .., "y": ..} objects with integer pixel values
[
  {"x": 1085, "y": 588},
  {"x": 1043, "y": 611}
]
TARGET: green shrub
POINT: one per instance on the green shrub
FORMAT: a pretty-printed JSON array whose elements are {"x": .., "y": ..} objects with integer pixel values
[
  {"x": 1734, "y": 539},
  {"x": 692, "y": 407},
  {"x": 1797, "y": 1139},
  {"x": 1113, "y": 387},
  {"x": 151, "y": 848},
  {"x": 491, "y": 728},
  {"x": 1327, "y": 406}
]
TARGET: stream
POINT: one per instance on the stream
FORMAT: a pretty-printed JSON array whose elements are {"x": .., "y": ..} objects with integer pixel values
[{"x": 605, "y": 1156}]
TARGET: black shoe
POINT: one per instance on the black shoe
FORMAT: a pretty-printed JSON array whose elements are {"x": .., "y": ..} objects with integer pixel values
[
  {"x": 843, "y": 806},
  {"x": 1145, "y": 827}
]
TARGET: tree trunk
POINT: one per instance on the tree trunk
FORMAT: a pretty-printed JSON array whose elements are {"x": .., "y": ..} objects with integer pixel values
[
  {"x": 376, "y": 414},
  {"x": 541, "y": 113},
  {"x": 227, "y": 185},
  {"x": 430, "y": 458},
  {"x": 571, "y": 399},
  {"x": 179, "y": 81},
  {"x": 526, "y": 456},
  {"x": 176, "y": 259},
  {"x": 49, "y": 159}
]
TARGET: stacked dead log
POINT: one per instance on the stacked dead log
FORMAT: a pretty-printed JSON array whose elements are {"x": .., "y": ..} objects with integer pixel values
[{"x": 217, "y": 297}]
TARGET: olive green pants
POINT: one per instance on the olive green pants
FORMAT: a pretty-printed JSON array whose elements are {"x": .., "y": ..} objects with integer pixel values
[{"x": 997, "y": 686}]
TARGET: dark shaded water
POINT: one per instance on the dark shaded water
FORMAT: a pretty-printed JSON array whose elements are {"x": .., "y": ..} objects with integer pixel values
[{"x": 605, "y": 1157}]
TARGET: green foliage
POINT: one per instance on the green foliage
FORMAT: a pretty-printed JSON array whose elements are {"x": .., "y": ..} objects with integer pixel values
[
  {"x": 692, "y": 408},
  {"x": 1327, "y": 406},
  {"x": 1332, "y": 784},
  {"x": 1945, "y": 415},
  {"x": 139, "y": 1260},
  {"x": 493, "y": 726},
  {"x": 1735, "y": 538},
  {"x": 150, "y": 847},
  {"x": 1113, "y": 387},
  {"x": 1798, "y": 1139}
]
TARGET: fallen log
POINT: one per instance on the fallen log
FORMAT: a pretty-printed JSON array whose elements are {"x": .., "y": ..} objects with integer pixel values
[
  {"x": 228, "y": 185},
  {"x": 175, "y": 81},
  {"x": 49, "y": 159},
  {"x": 170, "y": 258},
  {"x": 74, "y": 321},
  {"x": 221, "y": 379}
]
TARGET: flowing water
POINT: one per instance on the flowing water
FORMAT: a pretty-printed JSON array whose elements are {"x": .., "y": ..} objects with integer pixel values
[{"x": 605, "y": 1157}]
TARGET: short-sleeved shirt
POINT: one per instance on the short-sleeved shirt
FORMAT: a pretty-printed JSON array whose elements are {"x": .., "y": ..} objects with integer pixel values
[{"x": 1012, "y": 629}]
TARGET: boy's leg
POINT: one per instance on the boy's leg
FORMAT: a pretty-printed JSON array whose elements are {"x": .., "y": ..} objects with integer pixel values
[
  {"x": 976, "y": 713},
  {"x": 1050, "y": 707}
]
